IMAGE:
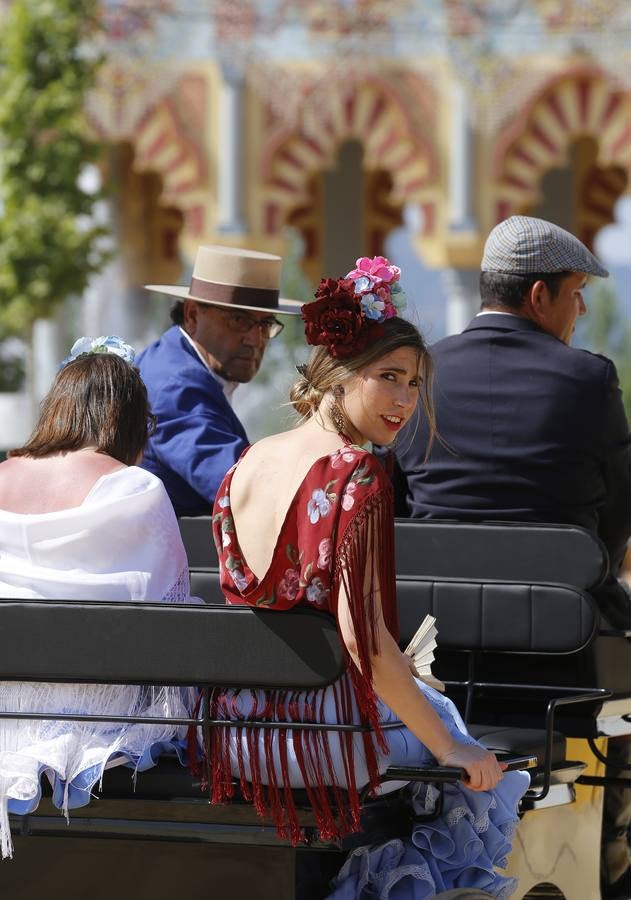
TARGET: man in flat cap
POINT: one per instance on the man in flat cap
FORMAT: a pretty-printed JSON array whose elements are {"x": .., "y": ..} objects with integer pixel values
[
  {"x": 531, "y": 429},
  {"x": 222, "y": 323}
]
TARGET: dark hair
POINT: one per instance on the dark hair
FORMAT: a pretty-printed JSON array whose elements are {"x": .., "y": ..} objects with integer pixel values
[
  {"x": 323, "y": 370},
  {"x": 504, "y": 289},
  {"x": 98, "y": 399},
  {"x": 177, "y": 312}
]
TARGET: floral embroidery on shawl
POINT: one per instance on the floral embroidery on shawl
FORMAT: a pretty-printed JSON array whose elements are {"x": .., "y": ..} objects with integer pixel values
[{"x": 338, "y": 534}]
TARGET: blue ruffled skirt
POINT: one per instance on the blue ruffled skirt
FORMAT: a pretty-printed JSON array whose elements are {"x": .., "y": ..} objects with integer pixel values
[{"x": 461, "y": 848}]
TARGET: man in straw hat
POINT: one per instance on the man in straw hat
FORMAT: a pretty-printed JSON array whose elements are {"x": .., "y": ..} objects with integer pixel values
[
  {"x": 222, "y": 323},
  {"x": 532, "y": 429}
]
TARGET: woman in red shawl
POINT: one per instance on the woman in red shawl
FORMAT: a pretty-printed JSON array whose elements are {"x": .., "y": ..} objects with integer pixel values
[{"x": 306, "y": 518}]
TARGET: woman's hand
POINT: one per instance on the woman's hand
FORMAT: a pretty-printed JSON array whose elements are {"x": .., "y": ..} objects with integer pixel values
[{"x": 483, "y": 770}]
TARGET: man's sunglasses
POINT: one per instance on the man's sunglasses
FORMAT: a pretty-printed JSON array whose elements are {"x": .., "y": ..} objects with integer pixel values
[{"x": 242, "y": 323}]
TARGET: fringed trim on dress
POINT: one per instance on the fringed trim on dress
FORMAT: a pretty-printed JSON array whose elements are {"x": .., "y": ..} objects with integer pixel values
[
  {"x": 365, "y": 570},
  {"x": 266, "y": 784}
]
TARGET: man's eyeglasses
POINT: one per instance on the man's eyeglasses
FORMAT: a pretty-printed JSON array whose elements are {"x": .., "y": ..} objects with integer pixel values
[{"x": 242, "y": 323}]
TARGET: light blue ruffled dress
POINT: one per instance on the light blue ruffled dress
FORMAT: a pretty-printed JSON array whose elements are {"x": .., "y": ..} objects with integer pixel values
[{"x": 461, "y": 848}]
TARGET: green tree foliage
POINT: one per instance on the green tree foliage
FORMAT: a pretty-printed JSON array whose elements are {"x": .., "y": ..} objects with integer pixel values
[
  {"x": 49, "y": 245},
  {"x": 608, "y": 332}
]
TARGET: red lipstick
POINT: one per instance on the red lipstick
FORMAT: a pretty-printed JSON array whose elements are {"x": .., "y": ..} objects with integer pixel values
[{"x": 393, "y": 426}]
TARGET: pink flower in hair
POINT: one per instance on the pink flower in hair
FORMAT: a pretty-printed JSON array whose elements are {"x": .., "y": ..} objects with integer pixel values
[
  {"x": 378, "y": 270},
  {"x": 387, "y": 308}
]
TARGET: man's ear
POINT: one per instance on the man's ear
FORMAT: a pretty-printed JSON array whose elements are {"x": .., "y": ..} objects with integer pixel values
[
  {"x": 190, "y": 317},
  {"x": 538, "y": 302}
]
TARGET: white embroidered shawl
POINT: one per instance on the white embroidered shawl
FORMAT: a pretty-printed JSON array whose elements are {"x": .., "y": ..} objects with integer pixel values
[{"x": 122, "y": 543}]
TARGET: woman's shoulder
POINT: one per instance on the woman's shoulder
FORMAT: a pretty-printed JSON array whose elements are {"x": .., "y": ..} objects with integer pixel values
[
  {"x": 12, "y": 465},
  {"x": 56, "y": 483},
  {"x": 348, "y": 477},
  {"x": 355, "y": 462},
  {"x": 128, "y": 481}
]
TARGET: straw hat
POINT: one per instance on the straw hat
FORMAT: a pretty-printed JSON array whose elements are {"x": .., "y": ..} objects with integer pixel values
[{"x": 228, "y": 276}]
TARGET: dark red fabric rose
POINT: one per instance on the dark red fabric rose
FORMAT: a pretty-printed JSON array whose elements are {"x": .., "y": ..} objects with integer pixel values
[{"x": 334, "y": 319}]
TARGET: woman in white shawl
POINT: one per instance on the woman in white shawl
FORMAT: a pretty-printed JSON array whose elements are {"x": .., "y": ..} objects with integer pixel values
[{"x": 79, "y": 520}]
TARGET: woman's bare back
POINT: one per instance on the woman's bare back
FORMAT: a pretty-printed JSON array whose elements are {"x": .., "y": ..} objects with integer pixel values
[
  {"x": 265, "y": 484},
  {"x": 52, "y": 483}
]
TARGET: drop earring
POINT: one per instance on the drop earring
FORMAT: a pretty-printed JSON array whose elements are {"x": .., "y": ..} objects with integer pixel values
[{"x": 335, "y": 412}]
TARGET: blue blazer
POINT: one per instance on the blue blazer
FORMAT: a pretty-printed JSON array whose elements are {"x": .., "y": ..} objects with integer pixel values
[
  {"x": 198, "y": 436},
  {"x": 530, "y": 429}
]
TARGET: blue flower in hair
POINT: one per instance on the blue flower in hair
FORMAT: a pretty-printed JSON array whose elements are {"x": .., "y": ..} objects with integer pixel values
[
  {"x": 363, "y": 284},
  {"x": 397, "y": 295},
  {"x": 111, "y": 343},
  {"x": 373, "y": 307}
]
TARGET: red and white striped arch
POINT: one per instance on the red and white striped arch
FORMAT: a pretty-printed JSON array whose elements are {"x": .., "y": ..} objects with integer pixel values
[
  {"x": 581, "y": 102},
  {"x": 373, "y": 114},
  {"x": 161, "y": 146},
  {"x": 124, "y": 108}
]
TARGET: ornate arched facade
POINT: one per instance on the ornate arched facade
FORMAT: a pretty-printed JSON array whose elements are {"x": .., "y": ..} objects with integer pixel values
[
  {"x": 163, "y": 121},
  {"x": 239, "y": 168},
  {"x": 580, "y": 103},
  {"x": 399, "y": 157},
  {"x": 373, "y": 114}
]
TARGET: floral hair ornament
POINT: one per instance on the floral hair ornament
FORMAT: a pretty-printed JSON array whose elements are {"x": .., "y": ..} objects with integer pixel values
[
  {"x": 86, "y": 346},
  {"x": 348, "y": 313}
]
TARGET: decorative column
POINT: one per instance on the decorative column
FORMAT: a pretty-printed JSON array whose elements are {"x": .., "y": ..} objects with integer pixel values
[
  {"x": 104, "y": 309},
  {"x": 461, "y": 163},
  {"x": 113, "y": 302},
  {"x": 47, "y": 353},
  {"x": 108, "y": 307},
  {"x": 230, "y": 174},
  {"x": 461, "y": 287}
]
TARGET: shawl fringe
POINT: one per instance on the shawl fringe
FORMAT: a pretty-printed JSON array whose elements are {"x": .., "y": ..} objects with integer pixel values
[{"x": 365, "y": 569}]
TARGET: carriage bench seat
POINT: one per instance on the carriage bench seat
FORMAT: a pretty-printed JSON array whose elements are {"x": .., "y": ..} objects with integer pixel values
[
  {"x": 181, "y": 645},
  {"x": 518, "y": 629},
  {"x": 171, "y": 780}
]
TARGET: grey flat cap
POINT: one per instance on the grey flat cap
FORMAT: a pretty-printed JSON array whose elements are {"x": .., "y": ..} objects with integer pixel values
[{"x": 522, "y": 245}]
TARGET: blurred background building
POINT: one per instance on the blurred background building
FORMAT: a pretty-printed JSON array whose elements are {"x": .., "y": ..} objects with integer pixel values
[{"x": 323, "y": 130}]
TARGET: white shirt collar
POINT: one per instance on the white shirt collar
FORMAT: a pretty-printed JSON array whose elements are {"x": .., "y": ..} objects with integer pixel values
[
  {"x": 496, "y": 312},
  {"x": 228, "y": 387}
]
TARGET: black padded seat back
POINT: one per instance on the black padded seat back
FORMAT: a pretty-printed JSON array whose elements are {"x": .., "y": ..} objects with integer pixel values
[
  {"x": 496, "y": 616},
  {"x": 506, "y": 551},
  {"x": 198, "y": 542},
  {"x": 206, "y": 586},
  {"x": 196, "y": 532},
  {"x": 160, "y": 643},
  {"x": 520, "y": 741}
]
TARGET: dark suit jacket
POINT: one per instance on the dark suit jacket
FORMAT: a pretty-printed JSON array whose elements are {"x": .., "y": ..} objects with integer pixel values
[
  {"x": 531, "y": 429},
  {"x": 198, "y": 436}
]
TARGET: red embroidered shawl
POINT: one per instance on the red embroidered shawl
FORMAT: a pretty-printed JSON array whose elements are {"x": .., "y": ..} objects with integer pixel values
[{"x": 339, "y": 529}]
